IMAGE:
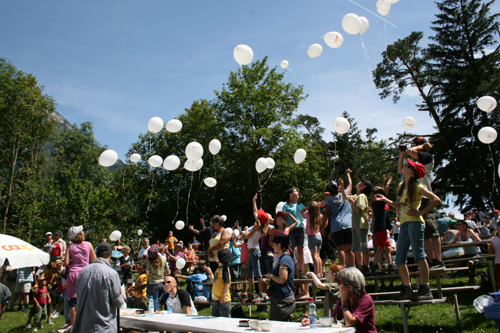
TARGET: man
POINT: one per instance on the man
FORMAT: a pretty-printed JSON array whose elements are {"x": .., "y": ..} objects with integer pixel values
[
  {"x": 432, "y": 239},
  {"x": 443, "y": 221},
  {"x": 99, "y": 295},
  {"x": 181, "y": 301},
  {"x": 47, "y": 246},
  {"x": 495, "y": 221},
  {"x": 143, "y": 252},
  {"x": 206, "y": 234},
  {"x": 58, "y": 249}
]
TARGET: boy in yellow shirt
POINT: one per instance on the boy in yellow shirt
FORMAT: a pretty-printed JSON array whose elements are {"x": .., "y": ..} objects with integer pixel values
[
  {"x": 221, "y": 306},
  {"x": 140, "y": 288}
]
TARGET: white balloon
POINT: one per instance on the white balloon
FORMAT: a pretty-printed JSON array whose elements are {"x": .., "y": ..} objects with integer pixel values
[
  {"x": 261, "y": 165},
  {"x": 179, "y": 225},
  {"x": 487, "y": 103},
  {"x": 341, "y": 125},
  {"x": 173, "y": 126},
  {"x": 139, "y": 232},
  {"x": 155, "y": 124},
  {"x": 351, "y": 23},
  {"x": 193, "y": 166},
  {"x": 210, "y": 182},
  {"x": 180, "y": 263},
  {"x": 315, "y": 50},
  {"x": 134, "y": 158},
  {"x": 224, "y": 218},
  {"x": 334, "y": 39},
  {"x": 230, "y": 231},
  {"x": 279, "y": 206},
  {"x": 284, "y": 64},
  {"x": 408, "y": 123},
  {"x": 243, "y": 54},
  {"x": 487, "y": 135},
  {"x": 115, "y": 235},
  {"x": 270, "y": 163},
  {"x": 236, "y": 232},
  {"x": 194, "y": 151},
  {"x": 364, "y": 24},
  {"x": 155, "y": 161},
  {"x": 300, "y": 156},
  {"x": 108, "y": 158},
  {"x": 214, "y": 146},
  {"x": 383, "y": 7},
  {"x": 172, "y": 162}
]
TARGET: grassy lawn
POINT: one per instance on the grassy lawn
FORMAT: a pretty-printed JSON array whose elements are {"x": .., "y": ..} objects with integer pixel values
[{"x": 425, "y": 318}]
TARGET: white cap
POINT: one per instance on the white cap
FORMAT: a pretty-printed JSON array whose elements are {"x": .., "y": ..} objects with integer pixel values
[{"x": 48, "y": 233}]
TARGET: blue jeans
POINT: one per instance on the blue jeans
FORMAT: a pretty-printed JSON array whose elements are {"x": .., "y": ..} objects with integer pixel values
[
  {"x": 314, "y": 241},
  {"x": 219, "y": 310},
  {"x": 156, "y": 290},
  {"x": 254, "y": 264},
  {"x": 410, "y": 233},
  {"x": 67, "y": 315}
]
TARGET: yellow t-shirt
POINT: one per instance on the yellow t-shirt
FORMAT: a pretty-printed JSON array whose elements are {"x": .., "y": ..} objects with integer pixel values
[
  {"x": 214, "y": 241},
  {"x": 360, "y": 220},
  {"x": 171, "y": 242},
  {"x": 141, "y": 281},
  {"x": 406, "y": 206},
  {"x": 218, "y": 286}
]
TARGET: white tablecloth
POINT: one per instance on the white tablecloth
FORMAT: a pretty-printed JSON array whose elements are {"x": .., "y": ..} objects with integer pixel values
[{"x": 185, "y": 323}]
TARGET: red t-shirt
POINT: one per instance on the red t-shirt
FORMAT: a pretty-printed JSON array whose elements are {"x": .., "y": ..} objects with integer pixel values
[
  {"x": 364, "y": 311},
  {"x": 41, "y": 295}
]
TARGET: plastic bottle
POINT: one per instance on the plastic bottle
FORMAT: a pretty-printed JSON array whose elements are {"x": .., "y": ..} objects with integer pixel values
[
  {"x": 169, "y": 305},
  {"x": 313, "y": 319},
  {"x": 151, "y": 306}
]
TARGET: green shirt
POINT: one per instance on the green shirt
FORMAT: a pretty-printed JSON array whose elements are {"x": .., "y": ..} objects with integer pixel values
[
  {"x": 360, "y": 220},
  {"x": 156, "y": 274}
]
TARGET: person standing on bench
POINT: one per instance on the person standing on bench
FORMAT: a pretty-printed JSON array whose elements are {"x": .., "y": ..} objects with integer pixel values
[{"x": 412, "y": 227}]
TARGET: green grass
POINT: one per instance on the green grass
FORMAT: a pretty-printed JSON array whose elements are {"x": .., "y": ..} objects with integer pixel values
[{"x": 425, "y": 318}]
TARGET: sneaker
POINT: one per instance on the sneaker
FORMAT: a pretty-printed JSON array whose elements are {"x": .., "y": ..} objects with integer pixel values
[
  {"x": 302, "y": 276},
  {"x": 259, "y": 299},
  {"x": 55, "y": 314},
  {"x": 423, "y": 294},
  {"x": 28, "y": 325},
  {"x": 40, "y": 326},
  {"x": 62, "y": 329},
  {"x": 435, "y": 263},
  {"x": 392, "y": 268},
  {"x": 25, "y": 309},
  {"x": 405, "y": 294},
  {"x": 377, "y": 270},
  {"x": 366, "y": 271},
  {"x": 50, "y": 322},
  {"x": 35, "y": 329}
]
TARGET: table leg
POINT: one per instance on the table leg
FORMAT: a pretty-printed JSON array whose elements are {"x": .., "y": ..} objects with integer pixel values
[
  {"x": 492, "y": 275},
  {"x": 405, "y": 317},
  {"x": 438, "y": 283},
  {"x": 457, "y": 310}
]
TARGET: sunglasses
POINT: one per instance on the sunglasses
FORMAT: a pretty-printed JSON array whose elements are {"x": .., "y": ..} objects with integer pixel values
[{"x": 168, "y": 282}]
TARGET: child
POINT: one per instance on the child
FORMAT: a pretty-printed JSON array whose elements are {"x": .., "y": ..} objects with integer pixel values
[
  {"x": 171, "y": 241},
  {"x": 494, "y": 248},
  {"x": 359, "y": 205},
  {"x": 39, "y": 310},
  {"x": 244, "y": 262},
  {"x": 221, "y": 307},
  {"x": 380, "y": 209},
  {"x": 140, "y": 288},
  {"x": 313, "y": 216}
]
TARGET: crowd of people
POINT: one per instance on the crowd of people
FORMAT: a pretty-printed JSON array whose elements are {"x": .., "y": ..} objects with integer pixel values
[{"x": 268, "y": 256}]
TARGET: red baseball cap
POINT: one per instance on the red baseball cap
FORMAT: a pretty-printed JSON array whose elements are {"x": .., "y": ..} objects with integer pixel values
[
  {"x": 282, "y": 214},
  {"x": 418, "y": 167},
  {"x": 263, "y": 217},
  {"x": 496, "y": 211}
]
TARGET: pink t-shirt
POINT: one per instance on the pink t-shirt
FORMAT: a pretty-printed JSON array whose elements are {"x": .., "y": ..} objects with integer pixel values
[
  {"x": 308, "y": 230},
  {"x": 244, "y": 253}
]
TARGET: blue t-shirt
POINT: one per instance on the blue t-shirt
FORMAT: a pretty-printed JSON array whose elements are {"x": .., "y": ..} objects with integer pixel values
[
  {"x": 443, "y": 224},
  {"x": 200, "y": 277},
  {"x": 236, "y": 253},
  {"x": 340, "y": 213},
  {"x": 294, "y": 209},
  {"x": 286, "y": 289}
]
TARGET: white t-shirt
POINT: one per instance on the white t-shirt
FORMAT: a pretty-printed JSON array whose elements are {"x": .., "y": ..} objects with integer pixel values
[
  {"x": 253, "y": 241},
  {"x": 495, "y": 241}
]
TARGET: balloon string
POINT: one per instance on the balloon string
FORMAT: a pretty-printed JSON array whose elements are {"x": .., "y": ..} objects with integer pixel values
[
  {"x": 296, "y": 182},
  {"x": 494, "y": 172},
  {"x": 215, "y": 170},
  {"x": 197, "y": 192},
  {"x": 178, "y": 194},
  {"x": 369, "y": 11},
  {"x": 334, "y": 159},
  {"x": 151, "y": 195},
  {"x": 367, "y": 58},
  {"x": 472, "y": 128},
  {"x": 123, "y": 178},
  {"x": 189, "y": 195}
]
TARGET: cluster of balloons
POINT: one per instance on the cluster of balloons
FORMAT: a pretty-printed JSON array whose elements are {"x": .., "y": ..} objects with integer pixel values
[
  {"x": 262, "y": 164},
  {"x": 408, "y": 123},
  {"x": 487, "y": 134},
  {"x": 384, "y": 6},
  {"x": 354, "y": 24},
  {"x": 299, "y": 156},
  {"x": 115, "y": 235},
  {"x": 341, "y": 125}
]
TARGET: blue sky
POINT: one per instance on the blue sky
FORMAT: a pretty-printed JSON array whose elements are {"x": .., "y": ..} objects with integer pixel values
[{"x": 119, "y": 63}]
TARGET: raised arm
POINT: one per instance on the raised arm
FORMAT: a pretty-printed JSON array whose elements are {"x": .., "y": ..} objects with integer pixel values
[
  {"x": 342, "y": 189},
  {"x": 294, "y": 224},
  {"x": 380, "y": 197},
  {"x": 254, "y": 207},
  {"x": 349, "y": 181},
  {"x": 190, "y": 227},
  {"x": 401, "y": 162}
]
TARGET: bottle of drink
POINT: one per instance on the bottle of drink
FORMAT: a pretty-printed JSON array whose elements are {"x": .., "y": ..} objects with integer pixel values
[
  {"x": 169, "y": 304},
  {"x": 151, "y": 306},
  {"x": 313, "y": 319}
]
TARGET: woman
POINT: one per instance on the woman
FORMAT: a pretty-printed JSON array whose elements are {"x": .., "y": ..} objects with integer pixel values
[
  {"x": 355, "y": 306},
  {"x": 466, "y": 235},
  {"x": 411, "y": 230},
  {"x": 220, "y": 240},
  {"x": 172, "y": 259},
  {"x": 281, "y": 281},
  {"x": 78, "y": 255},
  {"x": 280, "y": 228},
  {"x": 126, "y": 265},
  {"x": 333, "y": 292},
  {"x": 297, "y": 235},
  {"x": 156, "y": 269}
]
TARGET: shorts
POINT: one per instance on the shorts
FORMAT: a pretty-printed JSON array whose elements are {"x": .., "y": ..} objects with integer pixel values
[
  {"x": 381, "y": 239},
  {"x": 360, "y": 240},
  {"x": 314, "y": 241},
  {"x": 72, "y": 302},
  {"x": 235, "y": 271},
  {"x": 254, "y": 263},
  {"x": 22, "y": 287},
  {"x": 296, "y": 237},
  {"x": 342, "y": 237},
  {"x": 244, "y": 271},
  {"x": 431, "y": 226},
  {"x": 327, "y": 249},
  {"x": 410, "y": 233}
]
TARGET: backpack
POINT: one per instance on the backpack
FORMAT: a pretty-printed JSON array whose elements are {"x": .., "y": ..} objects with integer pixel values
[
  {"x": 197, "y": 288},
  {"x": 237, "y": 312}
]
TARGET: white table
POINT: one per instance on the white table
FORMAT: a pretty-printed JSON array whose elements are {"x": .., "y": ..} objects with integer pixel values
[{"x": 185, "y": 323}]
